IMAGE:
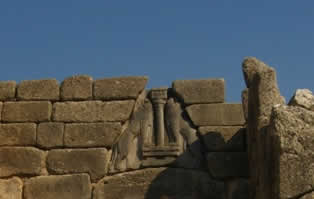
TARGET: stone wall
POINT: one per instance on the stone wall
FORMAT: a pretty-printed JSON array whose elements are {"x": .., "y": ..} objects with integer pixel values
[{"x": 111, "y": 138}]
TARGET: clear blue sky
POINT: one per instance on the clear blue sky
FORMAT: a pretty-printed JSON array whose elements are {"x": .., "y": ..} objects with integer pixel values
[{"x": 165, "y": 40}]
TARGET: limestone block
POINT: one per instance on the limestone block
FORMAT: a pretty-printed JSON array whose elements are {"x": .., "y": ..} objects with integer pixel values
[
  {"x": 303, "y": 98},
  {"x": 26, "y": 111},
  {"x": 50, "y": 134},
  {"x": 92, "y": 111},
  {"x": 200, "y": 91},
  {"x": 119, "y": 88},
  {"x": 46, "y": 89},
  {"x": 216, "y": 114},
  {"x": 224, "y": 165},
  {"x": 92, "y": 134},
  {"x": 158, "y": 183},
  {"x": 58, "y": 187},
  {"x": 7, "y": 90},
  {"x": 68, "y": 161},
  {"x": 21, "y": 161},
  {"x": 245, "y": 103},
  {"x": 1, "y": 105},
  {"x": 11, "y": 188},
  {"x": 18, "y": 134},
  {"x": 223, "y": 138},
  {"x": 78, "y": 87},
  {"x": 237, "y": 188}
]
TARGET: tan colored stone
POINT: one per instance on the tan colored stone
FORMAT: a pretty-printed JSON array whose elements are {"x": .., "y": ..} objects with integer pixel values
[
  {"x": 119, "y": 88},
  {"x": 1, "y": 105},
  {"x": 11, "y": 188},
  {"x": 26, "y": 111},
  {"x": 303, "y": 98},
  {"x": 46, "y": 89},
  {"x": 157, "y": 183},
  {"x": 92, "y": 111},
  {"x": 18, "y": 134},
  {"x": 200, "y": 91},
  {"x": 68, "y": 161},
  {"x": 245, "y": 103},
  {"x": 223, "y": 138},
  {"x": 78, "y": 87},
  {"x": 223, "y": 165},
  {"x": 21, "y": 161},
  {"x": 58, "y": 187},
  {"x": 7, "y": 90},
  {"x": 216, "y": 114},
  {"x": 50, "y": 134},
  {"x": 92, "y": 134}
]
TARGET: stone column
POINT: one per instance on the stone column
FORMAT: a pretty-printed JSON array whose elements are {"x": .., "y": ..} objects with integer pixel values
[{"x": 159, "y": 97}]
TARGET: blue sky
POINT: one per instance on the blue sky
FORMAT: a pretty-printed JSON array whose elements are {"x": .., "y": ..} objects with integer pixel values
[{"x": 165, "y": 40}]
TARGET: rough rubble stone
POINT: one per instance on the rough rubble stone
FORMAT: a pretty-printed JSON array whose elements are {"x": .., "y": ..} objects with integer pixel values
[
  {"x": 157, "y": 183},
  {"x": 119, "y": 88},
  {"x": 18, "y": 134},
  {"x": 78, "y": 87},
  {"x": 50, "y": 134},
  {"x": 58, "y": 187},
  {"x": 21, "y": 161},
  {"x": 92, "y": 111},
  {"x": 68, "y": 161},
  {"x": 46, "y": 89},
  {"x": 200, "y": 91},
  {"x": 216, "y": 114},
  {"x": 237, "y": 188},
  {"x": 263, "y": 95},
  {"x": 224, "y": 165},
  {"x": 11, "y": 188},
  {"x": 303, "y": 98},
  {"x": 7, "y": 90},
  {"x": 223, "y": 138},
  {"x": 26, "y": 111},
  {"x": 92, "y": 134},
  {"x": 290, "y": 139}
]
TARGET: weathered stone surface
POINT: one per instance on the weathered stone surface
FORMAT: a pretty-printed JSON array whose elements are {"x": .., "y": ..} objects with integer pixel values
[
  {"x": 263, "y": 95},
  {"x": 216, "y": 114},
  {"x": 46, "y": 89},
  {"x": 245, "y": 103},
  {"x": 92, "y": 134},
  {"x": 18, "y": 134},
  {"x": 58, "y": 187},
  {"x": 26, "y": 111},
  {"x": 223, "y": 138},
  {"x": 50, "y": 134},
  {"x": 21, "y": 161},
  {"x": 67, "y": 161},
  {"x": 303, "y": 98},
  {"x": 11, "y": 188},
  {"x": 119, "y": 88},
  {"x": 7, "y": 90},
  {"x": 224, "y": 165},
  {"x": 1, "y": 105},
  {"x": 157, "y": 183},
  {"x": 92, "y": 111},
  {"x": 79, "y": 87},
  {"x": 200, "y": 91},
  {"x": 290, "y": 139},
  {"x": 237, "y": 189}
]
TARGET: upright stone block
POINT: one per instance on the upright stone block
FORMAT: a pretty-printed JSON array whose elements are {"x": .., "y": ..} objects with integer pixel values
[
  {"x": 1, "y": 105},
  {"x": 68, "y": 161},
  {"x": 26, "y": 111},
  {"x": 200, "y": 91},
  {"x": 47, "y": 89},
  {"x": 92, "y": 134},
  {"x": 11, "y": 188},
  {"x": 21, "y": 161},
  {"x": 93, "y": 111},
  {"x": 119, "y": 88},
  {"x": 50, "y": 134},
  {"x": 216, "y": 114},
  {"x": 77, "y": 87},
  {"x": 18, "y": 134},
  {"x": 7, "y": 90},
  {"x": 58, "y": 187}
]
